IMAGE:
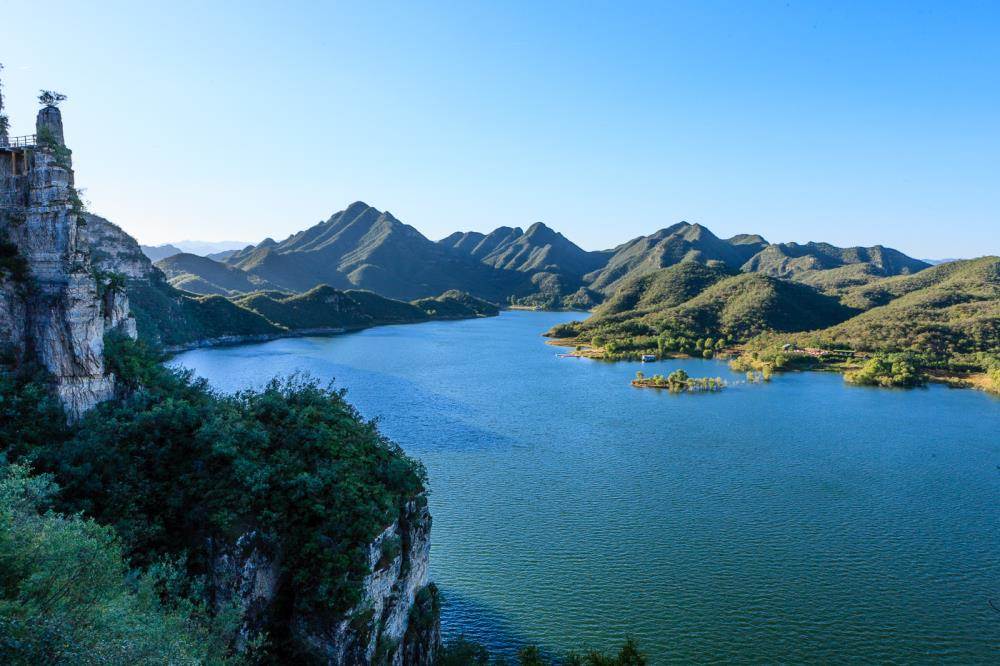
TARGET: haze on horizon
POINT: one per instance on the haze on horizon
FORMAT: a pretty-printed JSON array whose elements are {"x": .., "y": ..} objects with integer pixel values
[{"x": 851, "y": 124}]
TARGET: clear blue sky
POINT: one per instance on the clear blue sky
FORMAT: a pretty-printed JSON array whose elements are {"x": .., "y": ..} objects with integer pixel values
[{"x": 849, "y": 122}]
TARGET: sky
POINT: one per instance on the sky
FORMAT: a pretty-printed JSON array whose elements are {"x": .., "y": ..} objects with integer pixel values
[{"x": 855, "y": 123}]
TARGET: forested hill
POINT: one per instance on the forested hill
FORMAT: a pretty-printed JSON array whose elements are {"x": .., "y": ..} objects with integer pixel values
[
  {"x": 943, "y": 318},
  {"x": 174, "y": 318}
]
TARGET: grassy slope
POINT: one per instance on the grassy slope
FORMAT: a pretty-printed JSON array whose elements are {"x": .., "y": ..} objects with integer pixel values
[
  {"x": 946, "y": 310},
  {"x": 697, "y": 300}
]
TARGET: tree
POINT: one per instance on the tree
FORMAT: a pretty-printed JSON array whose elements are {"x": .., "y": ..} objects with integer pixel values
[
  {"x": 4, "y": 121},
  {"x": 66, "y": 595},
  {"x": 629, "y": 655},
  {"x": 530, "y": 656},
  {"x": 463, "y": 652},
  {"x": 677, "y": 380},
  {"x": 50, "y": 98}
]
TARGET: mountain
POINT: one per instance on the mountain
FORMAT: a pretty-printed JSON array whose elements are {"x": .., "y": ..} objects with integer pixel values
[
  {"x": 669, "y": 246},
  {"x": 362, "y": 247},
  {"x": 208, "y": 248},
  {"x": 158, "y": 252},
  {"x": 537, "y": 249},
  {"x": 555, "y": 264},
  {"x": 218, "y": 250},
  {"x": 794, "y": 261},
  {"x": 201, "y": 275},
  {"x": 291, "y": 528}
]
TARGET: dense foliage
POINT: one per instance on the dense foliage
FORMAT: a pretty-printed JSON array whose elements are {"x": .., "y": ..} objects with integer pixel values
[
  {"x": 67, "y": 596},
  {"x": 173, "y": 467},
  {"x": 171, "y": 317},
  {"x": 455, "y": 304},
  {"x": 175, "y": 318},
  {"x": 891, "y": 370}
]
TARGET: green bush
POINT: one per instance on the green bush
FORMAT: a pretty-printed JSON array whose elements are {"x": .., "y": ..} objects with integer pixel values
[
  {"x": 66, "y": 595},
  {"x": 887, "y": 370}
]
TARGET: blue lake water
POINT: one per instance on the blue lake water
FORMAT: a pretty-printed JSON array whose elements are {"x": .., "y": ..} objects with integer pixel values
[{"x": 798, "y": 521}]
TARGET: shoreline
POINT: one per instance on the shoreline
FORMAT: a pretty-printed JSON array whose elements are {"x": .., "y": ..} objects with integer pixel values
[
  {"x": 323, "y": 331},
  {"x": 974, "y": 381}
]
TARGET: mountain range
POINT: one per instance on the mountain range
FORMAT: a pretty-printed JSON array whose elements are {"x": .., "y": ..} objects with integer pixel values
[{"x": 362, "y": 247}]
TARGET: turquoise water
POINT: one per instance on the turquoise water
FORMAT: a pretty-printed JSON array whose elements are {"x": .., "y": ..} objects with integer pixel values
[{"x": 799, "y": 521}]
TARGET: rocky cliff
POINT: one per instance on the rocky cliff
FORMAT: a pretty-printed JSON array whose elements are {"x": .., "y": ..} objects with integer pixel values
[
  {"x": 55, "y": 307},
  {"x": 396, "y": 623}
]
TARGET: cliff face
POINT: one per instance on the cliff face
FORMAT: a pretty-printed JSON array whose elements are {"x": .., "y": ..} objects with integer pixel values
[
  {"x": 56, "y": 306},
  {"x": 114, "y": 251},
  {"x": 396, "y": 623}
]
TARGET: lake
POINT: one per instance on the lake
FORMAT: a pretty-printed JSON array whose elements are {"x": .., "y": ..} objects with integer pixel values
[{"x": 802, "y": 520}]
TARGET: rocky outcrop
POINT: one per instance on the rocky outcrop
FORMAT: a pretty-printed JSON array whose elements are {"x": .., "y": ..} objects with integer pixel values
[
  {"x": 114, "y": 251},
  {"x": 66, "y": 306},
  {"x": 395, "y": 623}
]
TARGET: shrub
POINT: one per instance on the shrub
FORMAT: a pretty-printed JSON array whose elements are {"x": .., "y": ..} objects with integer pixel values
[
  {"x": 887, "y": 370},
  {"x": 66, "y": 595}
]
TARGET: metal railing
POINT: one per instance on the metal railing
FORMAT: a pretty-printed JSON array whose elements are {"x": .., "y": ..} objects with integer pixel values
[{"x": 27, "y": 141}]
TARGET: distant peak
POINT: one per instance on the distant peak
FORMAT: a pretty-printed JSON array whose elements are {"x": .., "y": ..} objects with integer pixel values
[
  {"x": 673, "y": 229},
  {"x": 540, "y": 230}
]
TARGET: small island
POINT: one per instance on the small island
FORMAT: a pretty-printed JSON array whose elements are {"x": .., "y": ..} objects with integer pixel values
[{"x": 678, "y": 381}]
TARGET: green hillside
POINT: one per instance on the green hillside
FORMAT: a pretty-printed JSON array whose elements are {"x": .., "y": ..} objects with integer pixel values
[
  {"x": 948, "y": 311},
  {"x": 802, "y": 262},
  {"x": 201, "y": 275},
  {"x": 690, "y": 301},
  {"x": 944, "y": 317},
  {"x": 174, "y": 318},
  {"x": 672, "y": 245},
  {"x": 456, "y": 305}
]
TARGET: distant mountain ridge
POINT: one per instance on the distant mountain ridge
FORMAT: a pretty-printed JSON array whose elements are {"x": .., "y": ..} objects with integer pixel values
[
  {"x": 362, "y": 247},
  {"x": 217, "y": 250},
  {"x": 158, "y": 252}
]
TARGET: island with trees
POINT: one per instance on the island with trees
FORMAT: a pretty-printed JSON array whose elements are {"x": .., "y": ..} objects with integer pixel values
[{"x": 678, "y": 381}]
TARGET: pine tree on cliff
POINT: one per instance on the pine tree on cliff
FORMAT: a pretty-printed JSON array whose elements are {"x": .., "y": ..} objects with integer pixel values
[{"x": 4, "y": 121}]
